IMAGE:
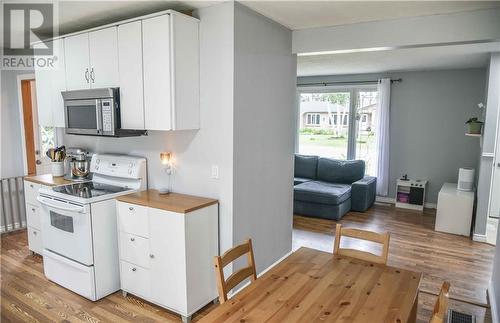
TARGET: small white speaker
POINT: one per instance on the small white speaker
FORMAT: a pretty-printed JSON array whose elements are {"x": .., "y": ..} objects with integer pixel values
[{"x": 465, "y": 179}]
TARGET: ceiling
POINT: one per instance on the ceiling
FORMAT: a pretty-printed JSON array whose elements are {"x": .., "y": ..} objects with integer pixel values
[
  {"x": 309, "y": 14},
  {"x": 78, "y": 15},
  {"x": 414, "y": 59}
]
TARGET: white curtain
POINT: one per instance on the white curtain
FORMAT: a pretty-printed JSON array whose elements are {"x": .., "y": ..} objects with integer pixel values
[{"x": 382, "y": 136}]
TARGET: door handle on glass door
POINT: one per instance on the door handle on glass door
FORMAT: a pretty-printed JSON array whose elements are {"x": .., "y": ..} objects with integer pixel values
[
  {"x": 87, "y": 74},
  {"x": 92, "y": 75}
]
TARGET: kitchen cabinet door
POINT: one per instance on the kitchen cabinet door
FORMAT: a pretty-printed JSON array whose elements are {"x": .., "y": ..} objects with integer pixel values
[
  {"x": 157, "y": 73},
  {"x": 76, "y": 54},
  {"x": 43, "y": 84},
  {"x": 103, "y": 47},
  {"x": 168, "y": 259},
  {"x": 58, "y": 85},
  {"x": 49, "y": 83},
  {"x": 130, "y": 68}
]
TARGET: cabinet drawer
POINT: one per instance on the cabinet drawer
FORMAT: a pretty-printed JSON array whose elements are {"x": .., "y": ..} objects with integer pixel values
[
  {"x": 135, "y": 279},
  {"x": 133, "y": 219},
  {"x": 33, "y": 216},
  {"x": 35, "y": 240},
  {"x": 31, "y": 192},
  {"x": 134, "y": 249}
]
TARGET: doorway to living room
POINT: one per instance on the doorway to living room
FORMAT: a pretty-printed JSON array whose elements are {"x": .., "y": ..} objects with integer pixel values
[{"x": 326, "y": 127}]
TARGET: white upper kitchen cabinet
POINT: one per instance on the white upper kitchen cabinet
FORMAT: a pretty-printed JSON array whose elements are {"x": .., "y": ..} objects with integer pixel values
[
  {"x": 92, "y": 59},
  {"x": 76, "y": 54},
  {"x": 50, "y": 82},
  {"x": 103, "y": 49},
  {"x": 171, "y": 72},
  {"x": 130, "y": 67}
]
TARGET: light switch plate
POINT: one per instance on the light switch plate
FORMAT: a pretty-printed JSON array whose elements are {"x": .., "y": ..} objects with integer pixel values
[{"x": 215, "y": 171}]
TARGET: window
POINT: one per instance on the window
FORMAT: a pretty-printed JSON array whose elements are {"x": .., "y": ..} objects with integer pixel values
[
  {"x": 340, "y": 137},
  {"x": 313, "y": 119},
  {"x": 47, "y": 138}
]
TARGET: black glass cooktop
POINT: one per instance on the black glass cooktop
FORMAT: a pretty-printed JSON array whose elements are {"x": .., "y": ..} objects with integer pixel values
[{"x": 89, "y": 189}]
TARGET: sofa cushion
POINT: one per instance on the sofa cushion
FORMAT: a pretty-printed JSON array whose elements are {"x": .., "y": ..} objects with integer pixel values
[
  {"x": 306, "y": 166},
  {"x": 300, "y": 180},
  {"x": 322, "y": 192},
  {"x": 340, "y": 171}
]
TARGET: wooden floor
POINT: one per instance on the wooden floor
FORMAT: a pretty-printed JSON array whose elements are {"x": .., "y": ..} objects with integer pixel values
[{"x": 27, "y": 296}]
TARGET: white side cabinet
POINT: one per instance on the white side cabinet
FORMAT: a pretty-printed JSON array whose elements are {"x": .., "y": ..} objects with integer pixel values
[
  {"x": 167, "y": 257},
  {"x": 49, "y": 84},
  {"x": 454, "y": 210},
  {"x": 33, "y": 216},
  {"x": 171, "y": 68}
]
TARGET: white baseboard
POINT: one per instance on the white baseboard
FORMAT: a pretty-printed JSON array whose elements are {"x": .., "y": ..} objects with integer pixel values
[
  {"x": 493, "y": 303},
  {"x": 479, "y": 237},
  {"x": 391, "y": 200}
]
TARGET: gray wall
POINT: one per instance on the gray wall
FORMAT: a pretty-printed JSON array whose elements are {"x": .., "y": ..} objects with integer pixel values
[
  {"x": 428, "y": 111},
  {"x": 264, "y": 130},
  {"x": 11, "y": 163},
  {"x": 195, "y": 151},
  {"x": 486, "y": 160}
]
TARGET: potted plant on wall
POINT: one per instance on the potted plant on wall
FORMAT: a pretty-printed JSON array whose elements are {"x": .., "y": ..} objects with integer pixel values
[{"x": 474, "y": 126}]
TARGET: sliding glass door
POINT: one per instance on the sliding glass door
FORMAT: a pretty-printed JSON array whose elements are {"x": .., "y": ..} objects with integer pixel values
[{"x": 327, "y": 127}]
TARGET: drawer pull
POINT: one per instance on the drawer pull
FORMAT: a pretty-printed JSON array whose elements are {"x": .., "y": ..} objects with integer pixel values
[
  {"x": 134, "y": 269},
  {"x": 33, "y": 209},
  {"x": 34, "y": 232},
  {"x": 132, "y": 239},
  {"x": 151, "y": 256},
  {"x": 31, "y": 185},
  {"x": 131, "y": 208}
]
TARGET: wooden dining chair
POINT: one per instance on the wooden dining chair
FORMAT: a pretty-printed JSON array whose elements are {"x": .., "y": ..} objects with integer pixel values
[
  {"x": 225, "y": 285},
  {"x": 441, "y": 306},
  {"x": 382, "y": 238}
]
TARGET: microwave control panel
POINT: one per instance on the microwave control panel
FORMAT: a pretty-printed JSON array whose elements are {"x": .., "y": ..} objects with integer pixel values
[{"x": 107, "y": 116}]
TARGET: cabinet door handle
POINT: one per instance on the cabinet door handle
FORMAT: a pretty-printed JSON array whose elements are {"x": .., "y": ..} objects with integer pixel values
[
  {"x": 151, "y": 256},
  {"x": 92, "y": 75},
  {"x": 131, "y": 208},
  {"x": 87, "y": 74},
  {"x": 132, "y": 239},
  {"x": 34, "y": 232},
  {"x": 134, "y": 269},
  {"x": 33, "y": 209},
  {"x": 31, "y": 185}
]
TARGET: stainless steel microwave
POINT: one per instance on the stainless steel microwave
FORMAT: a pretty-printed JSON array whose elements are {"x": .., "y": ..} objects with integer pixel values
[{"x": 95, "y": 112}]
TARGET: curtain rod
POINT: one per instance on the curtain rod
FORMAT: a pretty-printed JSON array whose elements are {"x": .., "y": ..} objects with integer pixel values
[{"x": 345, "y": 82}]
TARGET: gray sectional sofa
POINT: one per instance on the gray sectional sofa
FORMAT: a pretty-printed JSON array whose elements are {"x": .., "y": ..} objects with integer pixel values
[{"x": 329, "y": 188}]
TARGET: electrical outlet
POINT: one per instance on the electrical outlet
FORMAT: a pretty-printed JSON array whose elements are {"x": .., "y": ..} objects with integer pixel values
[{"x": 215, "y": 171}]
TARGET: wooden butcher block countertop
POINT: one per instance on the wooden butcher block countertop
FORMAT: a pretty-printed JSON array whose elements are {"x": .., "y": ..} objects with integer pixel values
[
  {"x": 174, "y": 202},
  {"x": 48, "y": 180}
]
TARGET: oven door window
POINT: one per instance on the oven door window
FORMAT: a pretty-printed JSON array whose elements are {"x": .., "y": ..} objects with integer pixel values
[
  {"x": 61, "y": 222},
  {"x": 81, "y": 116}
]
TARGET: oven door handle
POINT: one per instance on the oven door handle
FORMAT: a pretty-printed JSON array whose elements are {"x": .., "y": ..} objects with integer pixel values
[{"x": 61, "y": 205}]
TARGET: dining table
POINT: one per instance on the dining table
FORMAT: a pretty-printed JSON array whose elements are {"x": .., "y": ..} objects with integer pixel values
[{"x": 312, "y": 286}]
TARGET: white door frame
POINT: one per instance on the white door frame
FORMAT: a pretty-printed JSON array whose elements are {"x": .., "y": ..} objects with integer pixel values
[{"x": 20, "y": 78}]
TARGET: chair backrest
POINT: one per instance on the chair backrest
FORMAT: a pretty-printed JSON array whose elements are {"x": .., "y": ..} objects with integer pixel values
[
  {"x": 225, "y": 285},
  {"x": 441, "y": 306},
  {"x": 382, "y": 238}
]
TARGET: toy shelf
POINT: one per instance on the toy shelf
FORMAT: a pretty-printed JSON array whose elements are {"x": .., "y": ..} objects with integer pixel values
[{"x": 410, "y": 194}]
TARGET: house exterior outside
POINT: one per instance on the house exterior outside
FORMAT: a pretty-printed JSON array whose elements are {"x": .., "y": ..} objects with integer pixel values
[{"x": 330, "y": 116}]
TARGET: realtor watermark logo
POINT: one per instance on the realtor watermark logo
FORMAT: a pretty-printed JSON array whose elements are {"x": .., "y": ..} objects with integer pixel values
[{"x": 27, "y": 29}]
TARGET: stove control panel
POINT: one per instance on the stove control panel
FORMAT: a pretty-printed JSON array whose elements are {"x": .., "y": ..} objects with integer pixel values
[{"x": 118, "y": 166}]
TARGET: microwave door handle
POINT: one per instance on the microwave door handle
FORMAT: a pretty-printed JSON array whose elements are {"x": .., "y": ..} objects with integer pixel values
[
  {"x": 60, "y": 205},
  {"x": 98, "y": 112}
]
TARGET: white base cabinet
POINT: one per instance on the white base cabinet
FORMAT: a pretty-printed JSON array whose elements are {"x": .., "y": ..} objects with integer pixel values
[
  {"x": 167, "y": 257},
  {"x": 35, "y": 244}
]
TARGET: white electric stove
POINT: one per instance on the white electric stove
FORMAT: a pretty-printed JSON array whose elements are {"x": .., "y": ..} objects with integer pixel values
[{"x": 79, "y": 225}]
